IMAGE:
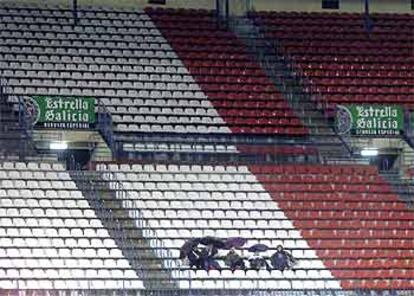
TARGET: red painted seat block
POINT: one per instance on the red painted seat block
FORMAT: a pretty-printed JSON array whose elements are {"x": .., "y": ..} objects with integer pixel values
[{"x": 360, "y": 229}]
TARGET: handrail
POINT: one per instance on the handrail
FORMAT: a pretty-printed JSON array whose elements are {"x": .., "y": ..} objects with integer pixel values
[
  {"x": 26, "y": 127},
  {"x": 25, "y": 135},
  {"x": 157, "y": 244},
  {"x": 105, "y": 126},
  {"x": 408, "y": 134},
  {"x": 102, "y": 212},
  {"x": 272, "y": 50}
]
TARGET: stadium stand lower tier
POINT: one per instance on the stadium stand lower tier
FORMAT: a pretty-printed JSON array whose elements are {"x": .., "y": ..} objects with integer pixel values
[
  {"x": 343, "y": 223},
  {"x": 50, "y": 236},
  {"x": 341, "y": 60}
]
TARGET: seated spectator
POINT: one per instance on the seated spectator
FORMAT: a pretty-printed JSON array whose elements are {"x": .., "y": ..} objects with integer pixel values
[
  {"x": 281, "y": 259},
  {"x": 258, "y": 262},
  {"x": 207, "y": 258},
  {"x": 234, "y": 260},
  {"x": 194, "y": 258}
]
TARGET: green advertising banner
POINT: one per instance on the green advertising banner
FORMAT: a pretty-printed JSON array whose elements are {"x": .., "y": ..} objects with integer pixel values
[
  {"x": 370, "y": 120},
  {"x": 61, "y": 112}
]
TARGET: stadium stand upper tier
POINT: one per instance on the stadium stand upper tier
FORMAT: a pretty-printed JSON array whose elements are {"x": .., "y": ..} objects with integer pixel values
[
  {"x": 122, "y": 58},
  {"x": 343, "y": 61},
  {"x": 118, "y": 57},
  {"x": 235, "y": 84}
]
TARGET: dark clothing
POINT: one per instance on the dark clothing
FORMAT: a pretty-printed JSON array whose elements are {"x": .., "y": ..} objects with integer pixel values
[
  {"x": 213, "y": 252},
  {"x": 207, "y": 260},
  {"x": 234, "y": 261},
  {"x": 194, "y": 257},
  {"x": 258, "y": 263},
  {"x": 282, "y": 260}
]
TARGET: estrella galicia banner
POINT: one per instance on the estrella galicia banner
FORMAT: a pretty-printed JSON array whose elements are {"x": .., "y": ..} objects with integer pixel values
[
  {"x": 370, "y": 120},
  {"x": 60, "y": 112}
]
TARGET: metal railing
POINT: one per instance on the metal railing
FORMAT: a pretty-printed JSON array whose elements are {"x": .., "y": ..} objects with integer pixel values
[
  {"x": 270, "y": 52},
  {"x": 24, "y": 133},
  {"x": 157, "y": 151},
  {"x": 105, "y": 126},
  {"x": 26, "y": 127},
  {"x": 170, "y": 264},
  {"x": 105, "y": 215}
]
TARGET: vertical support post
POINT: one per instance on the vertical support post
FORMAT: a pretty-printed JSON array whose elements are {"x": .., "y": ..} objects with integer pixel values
[
  {"x": 367, "y": 19},
  {"x": 75, "y": 12},
  {"x": 366, "y": 7},
  {"x": 227, "y": 13}
]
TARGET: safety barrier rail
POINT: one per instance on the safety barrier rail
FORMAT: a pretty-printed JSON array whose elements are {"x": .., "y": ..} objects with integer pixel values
[
  {"x": 95, "y": 182},
  {"x": 105, "y": 126},
  {"x": 85, "y": 184},
  {"x": 24, "y": 132},
  {"x": 271, "y": 53}
]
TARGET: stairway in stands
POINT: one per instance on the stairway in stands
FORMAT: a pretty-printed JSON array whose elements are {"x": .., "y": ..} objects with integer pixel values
[
  {"x": 281, "y": 70},
  {"x": 250, "y": 100},
  {"x": 234, "y": 83},
  {"x": 342, "y": 62},
  {"x": 103, "y": 196}
]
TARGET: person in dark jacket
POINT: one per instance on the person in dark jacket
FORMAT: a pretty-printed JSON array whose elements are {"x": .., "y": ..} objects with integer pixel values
[
  {"x": 194, "y": 258},
  {"x": 281, "y": 259},
  {"x": 207, "y": 258},
  {"x": 257, "y": 262},
  {"x": 234, "y": 260}
]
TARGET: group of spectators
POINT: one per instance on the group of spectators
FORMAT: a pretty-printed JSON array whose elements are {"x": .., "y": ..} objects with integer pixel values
[{"x": 206, "y": 256}]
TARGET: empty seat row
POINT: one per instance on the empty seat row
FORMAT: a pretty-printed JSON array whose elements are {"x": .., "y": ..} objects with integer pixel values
[
  {"x": 70, "y": 212},
  {"x": 87, "y": 18},
  {"x": 120, "y": 66},
  {"x": 68, "y": 90},
  {"x": 72, "y": 44},
  {"x": 34, "y": 202},
  {"x": 56, "y": 232},
  {"x": 32, "y": 166},
  {"x": 38, "y": 175},
  {"x": 61, "y": 51},
  {"x": 45, "y": 184},
  {"x": 42, "y": 193},
  {"x": 60, "y": 77},
  {"x": 24, "y": 10},
  {"x": 57, "y": 28},
  {"x": 69, "y": 284},
  {"x": 170, "y": 128}
]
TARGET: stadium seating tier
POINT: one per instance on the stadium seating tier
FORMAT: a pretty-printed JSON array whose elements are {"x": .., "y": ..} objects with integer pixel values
[{"x": 341, "y": 61}]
